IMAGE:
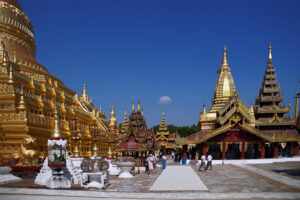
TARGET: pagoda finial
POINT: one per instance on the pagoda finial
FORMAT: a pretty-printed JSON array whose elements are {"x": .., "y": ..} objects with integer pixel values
[
  {"x": 139, "y": 106},
  {"x": 112, "y": 109},
  {"x": 163, "y": 113},
  {"x": 133, "y": 107},
  {"x": 270, "y": 55},
  {"x": 224, "y": 61},
  {"x": 100, "y": 108},
  {"x": 84, "y": 95},
  {"x": 204, "y": 110},
  {"x": 125, "y": 114},
  {"x": 113, "y": 121},
  {"x": 56, "y": 133},
  {"x": 142, "y": 112}
]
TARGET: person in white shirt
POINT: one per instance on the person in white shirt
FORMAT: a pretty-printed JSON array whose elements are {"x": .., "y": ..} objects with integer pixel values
[
  {"x": 202, "y": 164},
  {"x": 150, "y": 163},
  {"x": 209, "y": 162}
]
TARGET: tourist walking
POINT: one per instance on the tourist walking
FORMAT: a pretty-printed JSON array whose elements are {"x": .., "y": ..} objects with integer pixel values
[
  {"x": 202, "y": 163},
  {"x": 173, "y": 155},
  {"x": 164, "y": 161},
  {"x": 209, "y": 162},
  {"x": 150, "y": 164}
]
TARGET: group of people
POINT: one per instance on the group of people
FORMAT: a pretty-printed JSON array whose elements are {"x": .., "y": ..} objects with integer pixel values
[
  {"x": 151, "y": 163},
  {"x": 203, "y": 161}
]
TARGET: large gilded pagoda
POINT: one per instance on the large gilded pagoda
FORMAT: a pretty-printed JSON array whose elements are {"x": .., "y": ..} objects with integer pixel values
[
  {"x": 231, "y": 130},
  {"x": 225, "y": 89},
  {"x": 29, "y": 93},
  {"x": 165, "y": 140}
]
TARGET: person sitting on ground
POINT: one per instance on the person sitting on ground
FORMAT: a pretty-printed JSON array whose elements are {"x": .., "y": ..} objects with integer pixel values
[
  {"x": 209, "y": 162},
  {"x": 202, "y": 163}
]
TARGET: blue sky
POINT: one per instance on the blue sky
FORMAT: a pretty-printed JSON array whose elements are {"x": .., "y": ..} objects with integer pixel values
[{"x": 131, "y": 49}]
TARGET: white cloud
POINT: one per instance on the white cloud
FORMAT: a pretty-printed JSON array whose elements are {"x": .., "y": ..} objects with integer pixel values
[{"x": 165, "y": 100}]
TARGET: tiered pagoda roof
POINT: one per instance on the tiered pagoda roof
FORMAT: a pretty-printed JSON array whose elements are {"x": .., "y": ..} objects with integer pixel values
[
  {"x": 135, "y": 136},
  {"x": 163, "y": 129},
  {"x": 137, "y": 123},
  {"x": 163, "y": 136},
  {"x": 268, "y": 108}
]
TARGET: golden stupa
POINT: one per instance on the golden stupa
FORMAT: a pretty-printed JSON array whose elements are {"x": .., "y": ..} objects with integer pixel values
[{"x": 29, "y": 93}]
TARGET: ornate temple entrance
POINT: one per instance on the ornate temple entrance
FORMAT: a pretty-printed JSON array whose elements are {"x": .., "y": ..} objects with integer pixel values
[
  {"x": 215, "y": 151},
  {"x": 285, "y": 150},
  {"x": 252, "y": 151},
  {"x": 233, "y": 151}
]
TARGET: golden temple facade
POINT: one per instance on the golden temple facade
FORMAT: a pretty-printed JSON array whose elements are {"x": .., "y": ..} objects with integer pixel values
[
  {"x": 231, "y": 130},
  {"x": 29, "y": 93}
]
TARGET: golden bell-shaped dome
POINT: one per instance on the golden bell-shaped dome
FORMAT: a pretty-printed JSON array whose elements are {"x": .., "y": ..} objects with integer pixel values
[{"x": 17, "y": 30}]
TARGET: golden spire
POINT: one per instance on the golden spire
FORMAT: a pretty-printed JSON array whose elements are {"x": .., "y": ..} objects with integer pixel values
[
  {"x": 270, "y": 55},
  {"x": 224, "y": 61},
  {"x": 56, "y": 133},
  {"x": 139, "y": 106},
  {"x": 204, "y": 110},
  {"x": 100, "y": 109},
  {"x": 112, "y": 110},
  {"x": 142, "y": 112},
  {"x": 163, "y": 127},
  {"x": 225, "y": 87},
  {"x": 84, "y": 95},
  {"x": 132, "y": 107},
  {"x": 125, "y": 114},
  {"x": 113, "y": 120}
]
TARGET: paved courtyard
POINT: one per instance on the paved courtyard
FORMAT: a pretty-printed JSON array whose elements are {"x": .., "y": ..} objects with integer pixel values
[
  {"x": 178, "y": 178},
  {"x": 223, "y": 182}
]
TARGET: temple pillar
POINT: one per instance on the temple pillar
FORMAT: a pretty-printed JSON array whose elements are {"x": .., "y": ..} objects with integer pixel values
[
  {"x": 204, "y": 149},
  {"x": 262, "y": 150},
  {"x": 275, "y": 150},
  {"x": 243, "y": 149},
  {"x": 223, "y": 150},
  {"x": 295, "y": 148}
]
